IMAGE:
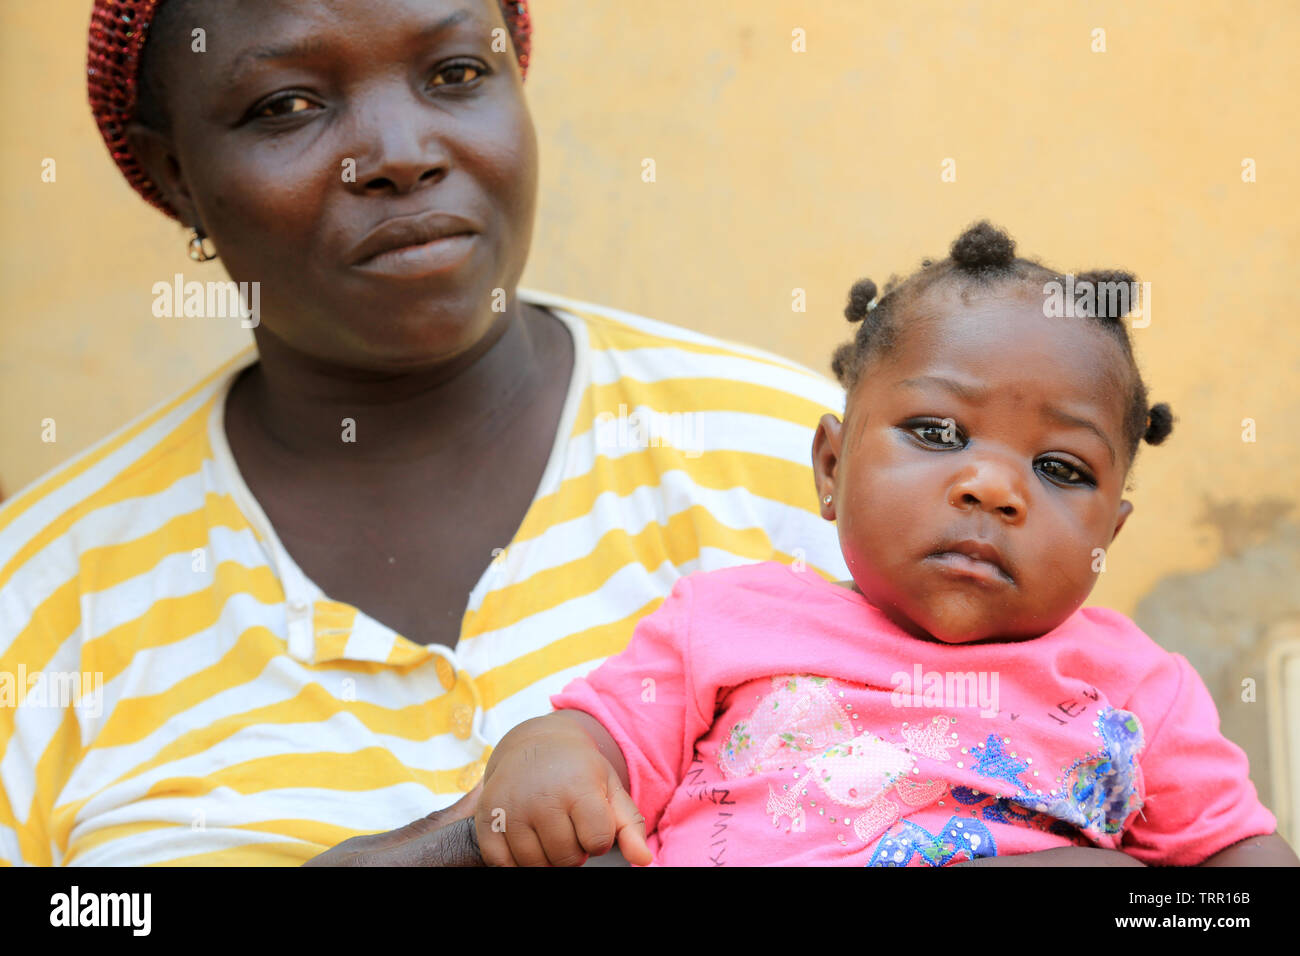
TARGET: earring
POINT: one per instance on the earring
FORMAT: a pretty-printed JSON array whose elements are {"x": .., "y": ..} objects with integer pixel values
[
  {"x": 826, "y": 500},
  {"x": 198, "y": 250}
]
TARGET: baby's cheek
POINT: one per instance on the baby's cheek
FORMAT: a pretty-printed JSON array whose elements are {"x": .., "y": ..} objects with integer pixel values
[
  {"x": 1070, "y": 577},
  {"x": 882, "y": 507}
]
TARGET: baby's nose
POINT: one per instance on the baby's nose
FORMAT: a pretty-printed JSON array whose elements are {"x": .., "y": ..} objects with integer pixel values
[{"x": 992, "y": 487}]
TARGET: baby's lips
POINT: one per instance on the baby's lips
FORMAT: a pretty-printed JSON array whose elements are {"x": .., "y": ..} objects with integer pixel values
[
  {"x": 972, "y": 555},
  {"x": 959, "y": 565}
]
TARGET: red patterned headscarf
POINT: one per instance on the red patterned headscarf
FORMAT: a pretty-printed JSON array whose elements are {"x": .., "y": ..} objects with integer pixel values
[{"x": 118, "y": 29}]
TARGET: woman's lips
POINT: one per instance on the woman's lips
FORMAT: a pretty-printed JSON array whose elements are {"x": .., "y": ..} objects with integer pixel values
[
  {"x": 421, "y": 261},
  {"x": 964, "y": 566}
]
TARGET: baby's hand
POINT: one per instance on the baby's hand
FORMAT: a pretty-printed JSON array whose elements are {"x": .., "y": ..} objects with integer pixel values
[{"x": 550, "y": 798}]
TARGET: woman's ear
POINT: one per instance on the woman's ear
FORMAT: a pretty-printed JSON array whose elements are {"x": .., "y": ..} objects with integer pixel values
[
  {"x": 157, "y": 156},
  {"x": 825, "y": 458},
  {"x": 1125, "y": 509}
]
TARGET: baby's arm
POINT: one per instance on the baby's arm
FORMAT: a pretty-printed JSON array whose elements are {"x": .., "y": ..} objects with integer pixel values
[
  {"x": 555, "y": 791},
  {"x": 1199, "y": 805},
  {"x": 560, "y": 787}
]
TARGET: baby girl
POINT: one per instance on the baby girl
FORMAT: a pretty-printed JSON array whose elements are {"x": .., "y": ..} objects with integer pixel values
[{"x": 953, "y": 701}]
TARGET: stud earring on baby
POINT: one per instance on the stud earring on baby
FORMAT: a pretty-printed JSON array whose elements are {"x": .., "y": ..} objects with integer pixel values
[{"x": 826, "y": 500}]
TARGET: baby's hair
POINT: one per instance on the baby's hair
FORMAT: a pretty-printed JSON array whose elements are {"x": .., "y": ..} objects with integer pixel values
[{"x": 981, "y": 257}]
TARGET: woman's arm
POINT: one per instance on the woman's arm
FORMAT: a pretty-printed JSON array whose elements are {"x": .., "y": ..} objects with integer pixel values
[
  {"x": 1060, "y": 856},
  {"x": 1269, "y": 850},
  {"x": 443, "y": 838}
]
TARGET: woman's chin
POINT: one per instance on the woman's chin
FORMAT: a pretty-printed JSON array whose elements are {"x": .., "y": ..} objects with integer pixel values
[{"x": 409, "y": 342}]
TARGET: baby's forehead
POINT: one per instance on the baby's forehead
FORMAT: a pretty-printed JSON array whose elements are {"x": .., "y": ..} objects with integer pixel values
[
  {"x": 1005, "y": 343},
  {"x": 1015, "y": 323}
]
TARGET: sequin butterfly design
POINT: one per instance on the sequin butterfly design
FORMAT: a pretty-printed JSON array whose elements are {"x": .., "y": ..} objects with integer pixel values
[{"x": 800, "y": 726}]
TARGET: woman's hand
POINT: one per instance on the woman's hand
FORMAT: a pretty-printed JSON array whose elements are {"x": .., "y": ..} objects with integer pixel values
[
  {"x": 443, "y": 838},
  {"x": 551, "y": 797}
]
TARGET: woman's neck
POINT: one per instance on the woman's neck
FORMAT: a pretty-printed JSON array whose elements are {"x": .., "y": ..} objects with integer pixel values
[{"x": 320, "y": 414}]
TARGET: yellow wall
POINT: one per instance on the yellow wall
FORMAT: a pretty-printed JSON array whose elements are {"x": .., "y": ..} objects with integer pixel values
[{"x": 779, "y": 170}]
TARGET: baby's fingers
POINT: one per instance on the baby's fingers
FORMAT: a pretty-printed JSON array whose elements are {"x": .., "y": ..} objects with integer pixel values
[
  {"x": 593, "y": 822},
  {"x": 492, "y": 844},
  {"x": 559, "y": 840},
  {"x": 506, "y": 841},
  {"x": 630, "y": 825}
]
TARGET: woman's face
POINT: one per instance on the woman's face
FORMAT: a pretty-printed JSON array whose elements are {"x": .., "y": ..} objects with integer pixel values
[
  {"x": 990, "y": 429},
  {"x": 307, "y": 126}
]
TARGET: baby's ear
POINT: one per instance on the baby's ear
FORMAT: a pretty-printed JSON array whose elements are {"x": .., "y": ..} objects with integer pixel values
[
  {"x": 1125, "y": 509},
  {"x": 826, "y": 454}
]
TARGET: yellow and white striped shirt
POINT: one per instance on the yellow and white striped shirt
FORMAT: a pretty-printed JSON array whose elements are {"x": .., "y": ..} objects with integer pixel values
[{"x": 174, "y": 690}]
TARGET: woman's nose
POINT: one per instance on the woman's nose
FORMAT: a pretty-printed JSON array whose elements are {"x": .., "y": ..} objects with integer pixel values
[
  {"x": 399, "y": 147},
  {"x": 992, "y": 486}
]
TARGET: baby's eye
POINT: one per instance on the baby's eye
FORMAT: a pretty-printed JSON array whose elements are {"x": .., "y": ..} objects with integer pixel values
[
  {"x": 943, "y": 432},
  {"x": 1064, "y": 472},
  {"x": 299, "y": 104},
  {"x": 458, "y": 73}
]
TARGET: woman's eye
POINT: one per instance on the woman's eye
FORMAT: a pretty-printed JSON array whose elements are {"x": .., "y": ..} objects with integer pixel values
[
  {"x": 1064, "y": 472},
  {"x": 456, "y": 73},
  {"x": 939, "y": 433},
  {"x": 298, "y": 104}
]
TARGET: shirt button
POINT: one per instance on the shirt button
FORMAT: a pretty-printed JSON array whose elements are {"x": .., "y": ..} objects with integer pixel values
[
  {"x": 462, "y": 717},
  {"x": 298, "y": 606}
]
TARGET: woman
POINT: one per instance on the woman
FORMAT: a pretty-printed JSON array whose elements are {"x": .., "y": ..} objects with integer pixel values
[{"x": 302, "y": 600}]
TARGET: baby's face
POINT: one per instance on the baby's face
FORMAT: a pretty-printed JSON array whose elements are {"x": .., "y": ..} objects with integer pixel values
[{"x": 1018, "y": 460}]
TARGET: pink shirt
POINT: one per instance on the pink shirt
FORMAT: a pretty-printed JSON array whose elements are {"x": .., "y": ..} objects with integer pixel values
[{"x": 769, "y": 716}]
